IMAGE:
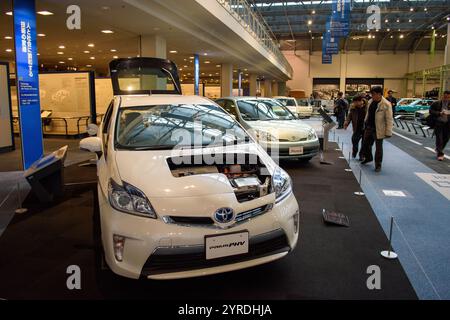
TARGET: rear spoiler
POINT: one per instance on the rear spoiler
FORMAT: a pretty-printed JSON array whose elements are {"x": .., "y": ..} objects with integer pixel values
[{"x": 143, "y": 67}]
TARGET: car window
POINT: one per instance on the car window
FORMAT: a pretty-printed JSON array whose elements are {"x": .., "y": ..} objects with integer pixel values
[
  {"x": 169, "y": 126},
  {"x": 230, "y": 107},
  {"x": 405, "y": 102}
]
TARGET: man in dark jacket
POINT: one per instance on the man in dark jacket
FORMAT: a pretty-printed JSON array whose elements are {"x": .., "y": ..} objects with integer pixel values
[
  {"x": 440, "y": 111},
  {"x": 340, "y": 109},
  {"x": 356, "y": 116},
  {"x": 392, "y": 100}
]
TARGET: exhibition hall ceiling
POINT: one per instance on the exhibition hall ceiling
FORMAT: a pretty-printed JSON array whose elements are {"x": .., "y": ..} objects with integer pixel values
[{"x": 405, "y": 25}]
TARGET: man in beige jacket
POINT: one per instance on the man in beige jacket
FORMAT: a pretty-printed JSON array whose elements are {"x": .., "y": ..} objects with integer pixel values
[{"x": 378, "y": 126}]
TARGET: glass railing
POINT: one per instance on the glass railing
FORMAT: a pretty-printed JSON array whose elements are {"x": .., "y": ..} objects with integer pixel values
[{"x": 256, "y": 26}]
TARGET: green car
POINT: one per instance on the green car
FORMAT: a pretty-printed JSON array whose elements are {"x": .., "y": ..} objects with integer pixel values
[{"x": 411, "y": 105}]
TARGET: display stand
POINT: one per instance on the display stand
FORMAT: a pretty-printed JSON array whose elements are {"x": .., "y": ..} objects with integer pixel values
[
  {"x": 327, "y": 125},
  {"x": 46, "y": 176}
]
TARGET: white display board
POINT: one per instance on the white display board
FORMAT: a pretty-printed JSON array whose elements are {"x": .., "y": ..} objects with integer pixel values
[
  {"x": 6, "y": 140},
  {"x": 103, "y": 94}
]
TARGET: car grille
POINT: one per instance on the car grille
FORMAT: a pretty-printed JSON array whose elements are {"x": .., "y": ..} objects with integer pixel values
[
  {"x": 209, "y": 222},
  {"x": 167, "y": 260},
  {"x": 295, "y": 140}
]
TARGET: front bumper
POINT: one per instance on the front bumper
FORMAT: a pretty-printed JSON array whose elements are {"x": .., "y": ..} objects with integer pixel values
[
  {"x": 157, "y": 250},
  {"x": 281, "y": 149}
]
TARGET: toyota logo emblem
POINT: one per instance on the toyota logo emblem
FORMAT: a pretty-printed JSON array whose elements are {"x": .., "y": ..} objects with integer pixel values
[{"x": 224, "y": 215}]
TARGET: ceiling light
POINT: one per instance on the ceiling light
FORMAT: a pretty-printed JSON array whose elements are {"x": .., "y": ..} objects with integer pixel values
[
  {"x": 321, "y": 37},
  {"x": 191, "y": 57},
  {"x": 207, "y": 62},
  {"x": 309, "y": 22},
  {"x": 61, "y": 47},
  {"x": 425, "y": 9},
  {"x": 92, "y": 58},
  {"x": 70, "y": 59},
  {"x": 386, "y": 21},
  {"x": 185, "y": 66},
  {"x": 313, "y": 12},
  {"x": 107, "y": 31},
  {"x": 38, "y": 54},
  {"x": 9, "y": 13},
  {"x": 180, "y": 69},
  {"x": 115, "y": 57},
  {"x": 45, "y": 13},
  {"x": 89, "y": 65},
  {"x": 41, "y": 34},
  {"x": 432, "y": 27},
  {"x": 91, "y": 45},
  {"x": 409, "y": 20},
  {"x": 392, "y": 36},
  {"x": 8, "y": 38},
  {"x": 61, "y": 62},
  {"x": 388, "y": 29},
  {"x": 60, "y": 52},
  {"x": 8, "y": 50},
  {"x": 218, "y": 65},
  {"x": 398, "y": 20},
  {"x": 86, "y": 51},
  {"x": 448, "y": 18},
  {"x": 173, "y": 51},
  {"x": 411, "y": 9},
  {"x": 401, "y": 36},
  {"x": 205, "y": 54},
  {"x": 113, "y": 50},
  {"x": 309, "y": 31}
]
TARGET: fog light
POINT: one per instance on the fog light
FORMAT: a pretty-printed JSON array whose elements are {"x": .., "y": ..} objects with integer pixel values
[
  {"x": 119, "y": 244},
  {"x": 296, "y": 218}
]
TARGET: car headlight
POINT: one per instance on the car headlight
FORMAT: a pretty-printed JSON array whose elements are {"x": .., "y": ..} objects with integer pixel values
[
  {"x": 265, "y": 136},
  {"x": 312, "y": 135},
  {"x": 281, "y": 184},
  {"x": 129, "y": 199}
]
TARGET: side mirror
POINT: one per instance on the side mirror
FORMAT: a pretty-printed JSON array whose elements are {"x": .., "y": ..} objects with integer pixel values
[{"x": 92, "y": 144}]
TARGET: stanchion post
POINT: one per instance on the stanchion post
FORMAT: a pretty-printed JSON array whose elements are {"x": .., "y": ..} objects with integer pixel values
[
  {"x": 359, "y": 193},
  {"x": 390, "y": 254}
]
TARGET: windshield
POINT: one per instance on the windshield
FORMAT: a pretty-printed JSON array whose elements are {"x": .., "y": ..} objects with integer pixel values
[
  {"x": 170, "y": 126},
  {"x": 405, "y": 102},
  {"x": 303, "y": 103},
  {"x": 253, "y": 110},
  {"x": 287, "y": 102}
]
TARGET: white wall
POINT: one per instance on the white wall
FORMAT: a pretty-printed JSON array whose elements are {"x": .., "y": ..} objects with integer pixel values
[{"x": 391, "y": 67}]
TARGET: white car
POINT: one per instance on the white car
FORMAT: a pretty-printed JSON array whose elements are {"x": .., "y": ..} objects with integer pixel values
[
  {"x": 300, "y": 107},
  {"x": 183, "y": 190},
  {"x": 274, "y": 127}
]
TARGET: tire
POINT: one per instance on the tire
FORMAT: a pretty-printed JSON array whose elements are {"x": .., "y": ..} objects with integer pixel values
[{"x": 305, "y": 160}]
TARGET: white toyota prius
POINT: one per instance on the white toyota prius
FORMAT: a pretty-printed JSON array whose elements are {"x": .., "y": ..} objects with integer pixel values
[{"x": 183, "y": 190}]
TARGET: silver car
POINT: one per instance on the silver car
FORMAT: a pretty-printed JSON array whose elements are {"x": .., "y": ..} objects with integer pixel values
[{"x": 273, "y": 126}]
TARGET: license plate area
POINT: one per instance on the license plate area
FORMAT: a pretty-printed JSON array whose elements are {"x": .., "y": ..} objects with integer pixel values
[
  {"x": 295, "y": 151},
  {"x": 225, "y": 245}
]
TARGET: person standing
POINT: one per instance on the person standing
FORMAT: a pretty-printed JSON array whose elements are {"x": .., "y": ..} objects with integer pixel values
[
  {"x": 378, "y": 126},
  {"x": 340, "y": 108},
  {"x": 440, "y": 113},
  {"x": 392, "y": 100},
  {"x": 356, "y": 116}
]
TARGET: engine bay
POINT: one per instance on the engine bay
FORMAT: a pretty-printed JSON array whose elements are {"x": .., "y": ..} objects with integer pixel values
[{"x": 249, "y": 179}]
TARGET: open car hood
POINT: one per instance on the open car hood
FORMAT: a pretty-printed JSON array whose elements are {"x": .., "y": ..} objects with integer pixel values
[{"x": 146, "y": 70}]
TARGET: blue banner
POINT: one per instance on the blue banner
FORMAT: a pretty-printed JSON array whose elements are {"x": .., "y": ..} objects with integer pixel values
[
  {"x": 326, "y": 58},
  {"x": 340, "y": 18},
  {"x": 27, "y": 81},
  {"x": 331, "y": 43}
]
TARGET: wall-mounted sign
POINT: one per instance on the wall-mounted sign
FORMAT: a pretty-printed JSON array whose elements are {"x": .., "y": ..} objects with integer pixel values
[{"x": 27, "y": 81}]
